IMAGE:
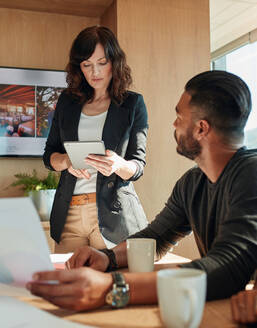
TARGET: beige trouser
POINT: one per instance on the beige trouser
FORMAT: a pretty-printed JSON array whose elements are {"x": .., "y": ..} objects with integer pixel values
[{"x": 81, "y": 229}]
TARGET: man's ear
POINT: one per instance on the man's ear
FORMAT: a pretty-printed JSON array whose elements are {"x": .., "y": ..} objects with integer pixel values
[{"x": 202, "y": 129}]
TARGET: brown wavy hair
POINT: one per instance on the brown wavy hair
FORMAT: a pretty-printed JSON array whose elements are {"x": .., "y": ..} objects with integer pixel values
[{"x": 82, "y": 49}]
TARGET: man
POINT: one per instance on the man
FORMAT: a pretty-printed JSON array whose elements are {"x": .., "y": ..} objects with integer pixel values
[{"x": 217, "y": 200}]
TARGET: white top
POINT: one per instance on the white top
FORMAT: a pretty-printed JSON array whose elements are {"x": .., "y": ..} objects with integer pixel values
[{"x": 90, "y": 129}]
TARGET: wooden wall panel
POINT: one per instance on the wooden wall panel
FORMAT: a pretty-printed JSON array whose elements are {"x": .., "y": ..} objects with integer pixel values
[
  {"x": 166, "y": 42},
  {"x": 109, "y": 18},
  {"x": 34, "y": 40},
  {"x": 38, "y": 40}
]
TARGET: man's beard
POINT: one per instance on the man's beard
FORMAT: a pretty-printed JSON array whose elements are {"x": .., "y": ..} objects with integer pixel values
[{"x": 187, "y": 146}]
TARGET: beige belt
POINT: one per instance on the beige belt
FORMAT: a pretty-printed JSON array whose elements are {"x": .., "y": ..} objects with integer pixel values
[{"x": 83, "y": 199}]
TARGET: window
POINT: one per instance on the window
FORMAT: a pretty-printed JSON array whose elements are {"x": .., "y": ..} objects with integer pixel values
[{"x": 243, "y": 62}]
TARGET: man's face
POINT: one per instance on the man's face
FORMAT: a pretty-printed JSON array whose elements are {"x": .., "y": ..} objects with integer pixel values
[{"x": 187, "y": 145}]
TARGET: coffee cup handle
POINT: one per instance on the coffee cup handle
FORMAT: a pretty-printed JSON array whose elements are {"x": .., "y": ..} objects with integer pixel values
[{"x": 193, "y": 301}]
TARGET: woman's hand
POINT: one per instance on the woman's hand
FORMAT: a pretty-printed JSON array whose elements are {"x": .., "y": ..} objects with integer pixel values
[
  {"x": 79, "y": 173},
  {"x": 62, "y": 162},
  {"x": 107, "y": 164},
  {"x": 77, "y": 289},
  {"x": 112, "y": 163},
  {"x": 83, "y": 173}
]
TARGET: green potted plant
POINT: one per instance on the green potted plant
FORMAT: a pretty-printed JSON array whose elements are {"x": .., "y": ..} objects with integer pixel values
[{"x": 40, "y": 190}]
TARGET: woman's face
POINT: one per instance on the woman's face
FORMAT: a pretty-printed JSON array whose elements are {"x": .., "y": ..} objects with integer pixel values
[{"x": 97, "y": 70}]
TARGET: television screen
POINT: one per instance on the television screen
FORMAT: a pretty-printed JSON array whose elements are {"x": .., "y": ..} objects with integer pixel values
[{"x": 28, "y": 99}]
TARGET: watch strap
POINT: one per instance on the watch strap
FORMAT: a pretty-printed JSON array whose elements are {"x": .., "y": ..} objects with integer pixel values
[
  {"x": 119, "y": 296},
  {"x": 112, "y": 259},
  {"x": 118, "y": 279}
]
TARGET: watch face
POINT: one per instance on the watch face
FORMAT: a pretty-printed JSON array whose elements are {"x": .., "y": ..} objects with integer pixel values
[
  {"x": 118, "y": 297},
  {"x": 121, "y": 296}
]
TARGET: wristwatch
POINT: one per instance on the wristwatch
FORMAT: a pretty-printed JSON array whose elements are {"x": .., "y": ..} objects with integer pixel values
[
  {"x": 112, "y": 259},
  {"x": 118, "y": 297}
]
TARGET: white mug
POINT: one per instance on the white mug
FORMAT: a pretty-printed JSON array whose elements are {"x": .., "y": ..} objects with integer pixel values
[
  {"x": 181, "y": 297},
  {"x": 140, "y": 254}
]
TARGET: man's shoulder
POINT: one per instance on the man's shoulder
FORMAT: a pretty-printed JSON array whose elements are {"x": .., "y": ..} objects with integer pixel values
[
  {"x": 194, "y": 171},
  {"x": 248, "y": 153},
  {"x": 245, "y": 158},
  {"x": 191, "y": 176},
  {"x": 241, "y": 170}
]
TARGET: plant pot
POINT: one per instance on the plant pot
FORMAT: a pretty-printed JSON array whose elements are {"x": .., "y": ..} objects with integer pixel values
[{"x": 43, "y": 201}]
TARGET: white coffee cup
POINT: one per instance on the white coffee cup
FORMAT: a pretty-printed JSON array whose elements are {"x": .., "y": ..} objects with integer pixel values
[
  {"x": 140, "y": 254},
  {"x": 181, "y": 296}
]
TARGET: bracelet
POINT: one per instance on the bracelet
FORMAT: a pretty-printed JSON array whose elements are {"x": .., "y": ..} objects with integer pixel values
[{"x": 112, "y": 259}]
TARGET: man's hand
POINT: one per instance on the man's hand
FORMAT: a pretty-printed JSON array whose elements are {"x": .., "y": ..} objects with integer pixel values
[
  {"x": 88, "y": 256},
  {"x": 77, "y": 289},
  {"x": 244, "y": 306}
]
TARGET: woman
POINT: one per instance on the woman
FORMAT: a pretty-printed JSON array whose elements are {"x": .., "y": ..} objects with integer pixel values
[
  {"x": 244, "y": 305},
  {"x": 99, "y": 203}
]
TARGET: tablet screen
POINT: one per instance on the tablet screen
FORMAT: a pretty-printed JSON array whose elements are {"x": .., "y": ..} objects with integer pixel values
[{"x": 79, "y": 150}]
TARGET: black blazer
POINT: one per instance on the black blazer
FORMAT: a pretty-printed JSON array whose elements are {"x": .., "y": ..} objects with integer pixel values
[{"x": 120, "y": 213}]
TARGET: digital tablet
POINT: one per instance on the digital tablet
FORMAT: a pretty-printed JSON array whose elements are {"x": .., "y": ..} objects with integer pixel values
[{"x": 79, "y": 150}]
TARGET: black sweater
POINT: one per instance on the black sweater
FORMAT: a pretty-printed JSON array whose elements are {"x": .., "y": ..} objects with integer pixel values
[{"x": 223, "y": 217}]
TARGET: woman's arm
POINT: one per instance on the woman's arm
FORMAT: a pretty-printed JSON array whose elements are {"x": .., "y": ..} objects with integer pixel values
[
  {"x": 54, "y": 156},
  {"x": 137, "y": 139},
  {"x": 60, "y": 161}
]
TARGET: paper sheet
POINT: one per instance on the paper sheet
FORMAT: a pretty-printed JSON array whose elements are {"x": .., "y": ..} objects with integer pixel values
[
  {"x": 23, "y": 251},
  {"x": 23, "y": 246},
  {"x": 60, "y": 258},
  {"x": 9, "y": 290},
  {"x": 17, "y": 314}
]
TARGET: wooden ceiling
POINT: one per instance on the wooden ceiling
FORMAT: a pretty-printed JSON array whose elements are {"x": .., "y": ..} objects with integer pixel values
[
  {"x": 88, "y": 8},
  {"x": 17, "y": 94}
]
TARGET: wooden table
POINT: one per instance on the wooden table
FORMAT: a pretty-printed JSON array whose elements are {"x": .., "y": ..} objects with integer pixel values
[{"x": 216, "y": 314}]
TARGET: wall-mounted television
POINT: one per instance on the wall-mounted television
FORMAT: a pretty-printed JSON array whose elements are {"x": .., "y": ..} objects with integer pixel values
[{"x": 27, "y": 103}]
